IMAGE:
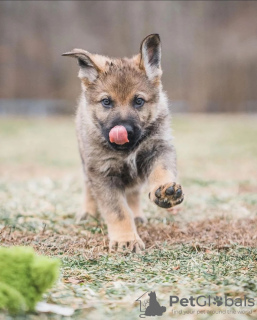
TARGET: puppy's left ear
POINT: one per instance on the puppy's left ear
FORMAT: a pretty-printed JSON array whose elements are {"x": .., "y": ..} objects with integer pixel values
[{"x": 150, "y": 51}]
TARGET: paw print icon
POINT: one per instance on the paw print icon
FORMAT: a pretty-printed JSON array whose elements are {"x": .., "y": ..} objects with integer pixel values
[{"x": 218, "y": 301}]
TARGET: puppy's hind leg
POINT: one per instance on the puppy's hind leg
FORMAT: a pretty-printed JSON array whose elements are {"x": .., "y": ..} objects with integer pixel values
[
  {"x": 89, "y": 206},
  {"x": 134, "y": 202}
]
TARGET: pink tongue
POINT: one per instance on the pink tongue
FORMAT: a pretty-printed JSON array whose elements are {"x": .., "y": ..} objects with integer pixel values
[{"x": 118, "y": 135}]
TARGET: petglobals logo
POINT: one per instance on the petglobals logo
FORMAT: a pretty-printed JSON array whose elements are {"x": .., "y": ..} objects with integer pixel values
[
  {"x": 203, "y": 301},
  {"x": 150, "y": 306}
]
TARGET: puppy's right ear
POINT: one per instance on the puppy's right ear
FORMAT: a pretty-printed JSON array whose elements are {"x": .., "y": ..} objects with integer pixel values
[{"x": 88, "y": 69}]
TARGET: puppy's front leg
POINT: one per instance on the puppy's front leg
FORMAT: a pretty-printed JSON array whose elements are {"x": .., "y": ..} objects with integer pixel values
[
  {"x": 113, "y": 206},
  {"x": 164, "y": 191}
]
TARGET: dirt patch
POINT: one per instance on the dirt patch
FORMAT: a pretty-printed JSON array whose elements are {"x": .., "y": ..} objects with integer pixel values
[
  {"x": 202, "y": 235},
  {"x": 216, "y": 233}
]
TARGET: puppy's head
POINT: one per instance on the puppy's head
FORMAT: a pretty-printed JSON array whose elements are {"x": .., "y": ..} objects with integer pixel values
[{"x": 122, "y": 94}]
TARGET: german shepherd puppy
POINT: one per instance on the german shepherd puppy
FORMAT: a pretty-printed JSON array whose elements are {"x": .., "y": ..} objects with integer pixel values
[{"x": 124, "y": 137}]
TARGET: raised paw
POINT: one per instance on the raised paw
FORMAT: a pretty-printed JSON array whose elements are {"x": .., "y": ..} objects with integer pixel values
[
  {"x": 132, "y": 246},
  {"x": 168, "y": 195}
]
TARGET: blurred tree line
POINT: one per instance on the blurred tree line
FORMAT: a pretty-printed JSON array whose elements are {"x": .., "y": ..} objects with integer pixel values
[{"x": 209, "y": 47}]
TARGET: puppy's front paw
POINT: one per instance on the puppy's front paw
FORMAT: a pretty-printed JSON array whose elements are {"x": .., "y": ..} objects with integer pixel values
[
  {"x": 167, "y": 195},
  {"x": 135, "y": 245}
]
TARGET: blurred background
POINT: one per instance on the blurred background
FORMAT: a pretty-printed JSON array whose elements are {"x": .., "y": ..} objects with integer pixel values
[{"x": 209, "y": 51}]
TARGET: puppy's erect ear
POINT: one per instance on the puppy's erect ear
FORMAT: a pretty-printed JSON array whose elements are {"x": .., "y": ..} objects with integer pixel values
[
  {"x": 150, "y": 51},
  {"x": 88, "y": 69}
]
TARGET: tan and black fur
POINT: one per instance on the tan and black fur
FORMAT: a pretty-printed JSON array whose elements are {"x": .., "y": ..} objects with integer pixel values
[{"x": 114, "y": 174}]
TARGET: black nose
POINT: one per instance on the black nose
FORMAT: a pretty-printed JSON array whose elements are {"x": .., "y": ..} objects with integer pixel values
[{"x": 129, "y": 129}]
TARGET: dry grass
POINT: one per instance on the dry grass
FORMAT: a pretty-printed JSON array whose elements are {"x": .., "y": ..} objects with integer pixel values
[
  {"x": 217, "y": 233},
  {"x": 209, "y": 246}
]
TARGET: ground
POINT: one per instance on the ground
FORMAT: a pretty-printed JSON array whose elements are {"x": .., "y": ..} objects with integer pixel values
[{"x": 207, "y": 247}]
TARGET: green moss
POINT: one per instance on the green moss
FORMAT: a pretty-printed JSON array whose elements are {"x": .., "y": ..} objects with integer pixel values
[
  {"x": 11, "y": 299},
  {"x": 26, "y": 274}
]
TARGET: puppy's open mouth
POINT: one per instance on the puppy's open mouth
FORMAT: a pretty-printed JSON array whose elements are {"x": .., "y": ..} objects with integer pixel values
[
  {"x": 122, "y": 137},
  {"x": 118, "y": 135}
]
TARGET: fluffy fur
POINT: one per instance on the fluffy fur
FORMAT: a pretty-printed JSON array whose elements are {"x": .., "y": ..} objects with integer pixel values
[{"x": 114, "y": 174}]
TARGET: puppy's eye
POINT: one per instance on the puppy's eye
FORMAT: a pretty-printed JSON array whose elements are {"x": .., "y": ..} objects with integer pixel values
[
  {"x": 139, "y": 102},
  {"x": 106, "y": 103}
]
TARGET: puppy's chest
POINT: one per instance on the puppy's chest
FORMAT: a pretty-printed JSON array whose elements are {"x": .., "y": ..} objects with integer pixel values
[
  {"x": 130, "y": 171},
  {"x": 125, "y": 170}
]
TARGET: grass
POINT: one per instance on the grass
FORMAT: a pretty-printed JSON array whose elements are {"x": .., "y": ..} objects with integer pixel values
[{"x": 207, "y": 247}]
